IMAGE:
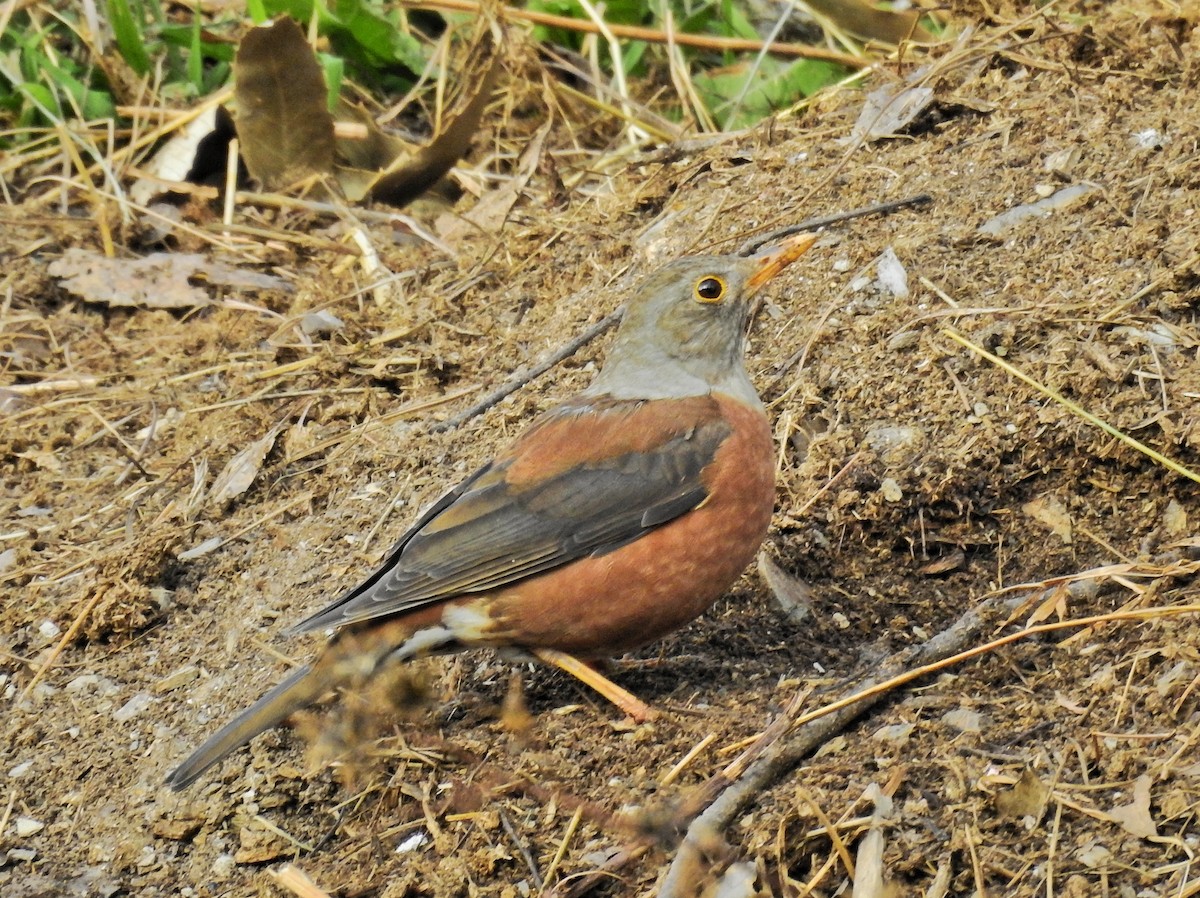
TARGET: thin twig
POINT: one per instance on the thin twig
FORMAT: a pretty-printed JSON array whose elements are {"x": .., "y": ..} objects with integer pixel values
[
  {"x": 824, "y": 221},
  {"x": 525, "y": 376},
  {"x": 652, "y": 35},
  {"x": 949, "y": 647},
  {"x": 1073, "y": 407}
]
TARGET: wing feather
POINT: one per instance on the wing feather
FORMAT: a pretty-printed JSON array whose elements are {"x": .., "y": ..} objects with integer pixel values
[{"x": 615, "y": 472}]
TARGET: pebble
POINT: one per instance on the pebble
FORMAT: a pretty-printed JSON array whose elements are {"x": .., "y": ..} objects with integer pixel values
[
  {"x": 27, "y": 826},
  {"x": 133, "y": 707},
  {"x": 49, "y": 629}
]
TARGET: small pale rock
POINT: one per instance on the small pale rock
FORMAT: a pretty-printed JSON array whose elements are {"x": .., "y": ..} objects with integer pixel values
[
  {"x": 321, "y": 323},
  {"x": 889, "y": 437},
  {"x": 133, "y": 707},
  {"x": 412, "y": 843},
  {"x": 27, "y": 826},
  {"x": 20, "y": 770},
  {"x": 897, "y": 733},
  {"x": 174, "y": 680},
  {"x": 890, "y": 490},
  {"x": 833, "y": 746},
  {"x": 223, "y": 866},
  {"x": 83, "y": 683},
  {"x": 903, "y": 340},
  {"x": 1094, "y": 855},
  {"x": 892, "y": 276},
  {"x": 964, "y": 720},
  {"x": 21, "y": 854},
  {"x": 48, "y": 629},
  {"x": 1175, "y": 519},
  {"x": 177, "y": 829}
]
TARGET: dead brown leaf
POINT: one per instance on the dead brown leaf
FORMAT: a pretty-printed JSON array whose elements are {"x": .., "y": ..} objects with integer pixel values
[
  {"x": 283, "y": 123},
  {"x": 1026, "y": 798},
  {"x": 156, "y": 281}
]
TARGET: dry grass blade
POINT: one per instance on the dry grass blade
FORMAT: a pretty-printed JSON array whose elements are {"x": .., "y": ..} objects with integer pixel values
[
  {"x": 652, "y": 35},
  {"x": 812, "y": 728},
  {"x": 1072, "y": 407}
]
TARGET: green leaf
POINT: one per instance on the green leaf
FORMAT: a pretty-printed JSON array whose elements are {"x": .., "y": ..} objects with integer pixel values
[
  {"x": 774, "y": 85},
  {"x": 41, "y": 97},
  {"x": 334, "y": 70},
  {"x": 257, "y": 11},
  {"x": 88, "y": 103},
  {"x": 130, "y": 40},
  {"x": 631, "y": 56},
  {"x": 195, "y": 60}
]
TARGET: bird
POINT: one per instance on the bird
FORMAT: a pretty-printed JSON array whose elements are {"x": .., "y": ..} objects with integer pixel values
[{"x": 618, "y": 516}]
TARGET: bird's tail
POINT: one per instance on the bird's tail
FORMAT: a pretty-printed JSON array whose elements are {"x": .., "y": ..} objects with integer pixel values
[{"x": 298, "y": 691}]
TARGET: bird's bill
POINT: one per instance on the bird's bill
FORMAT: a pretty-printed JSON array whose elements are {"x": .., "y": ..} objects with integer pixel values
[{"x": 779, "y": 257}]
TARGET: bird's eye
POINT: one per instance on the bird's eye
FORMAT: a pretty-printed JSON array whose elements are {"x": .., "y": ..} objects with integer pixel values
[{"x": 710, "y": 289}]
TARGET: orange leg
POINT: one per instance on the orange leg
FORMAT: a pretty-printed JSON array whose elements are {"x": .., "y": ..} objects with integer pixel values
[{"x": 622, "y": 698}]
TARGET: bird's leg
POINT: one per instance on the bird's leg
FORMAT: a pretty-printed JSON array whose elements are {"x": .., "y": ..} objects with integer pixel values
[{"x": 622, "y": 698}]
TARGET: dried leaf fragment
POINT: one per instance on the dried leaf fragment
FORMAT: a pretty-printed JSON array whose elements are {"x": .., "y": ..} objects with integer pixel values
[
  {"x": 793, "y": 595},
  {"x": 239, "y": 472},
  {"x": 1135, "y": 817},
  {"x": 408, "y": 178},
  {"x": 1026, "y": 798},
  {"x": 1051, "y": 512},
  {"x": 283, "y": 123},
  {"x": 156, "y": 281}
]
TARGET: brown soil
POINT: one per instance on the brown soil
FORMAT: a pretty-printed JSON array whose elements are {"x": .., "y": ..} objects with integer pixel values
[{"x": 961, "y": 481}]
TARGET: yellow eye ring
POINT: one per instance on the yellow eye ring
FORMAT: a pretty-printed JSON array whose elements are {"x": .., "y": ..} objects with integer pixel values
[{"x": 710, "y": 289}]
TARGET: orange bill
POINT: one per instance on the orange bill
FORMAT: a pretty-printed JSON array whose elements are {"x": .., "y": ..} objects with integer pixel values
[{"x": 779, "y": 257}]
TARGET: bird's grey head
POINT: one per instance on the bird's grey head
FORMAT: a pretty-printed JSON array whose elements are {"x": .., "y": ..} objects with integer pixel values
[{"x": 683, "y": 332}]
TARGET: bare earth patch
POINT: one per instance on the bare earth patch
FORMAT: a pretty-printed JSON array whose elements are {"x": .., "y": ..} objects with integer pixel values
[{"x": 1063, "y": 764}]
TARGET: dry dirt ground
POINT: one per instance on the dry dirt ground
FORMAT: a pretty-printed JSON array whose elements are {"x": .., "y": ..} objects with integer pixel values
[{"x": 916, "y": 479}]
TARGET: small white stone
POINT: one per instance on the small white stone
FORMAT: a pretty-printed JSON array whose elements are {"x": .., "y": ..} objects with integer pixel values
[
  {"x": 890, "y": 490},
  {"x": 20, "y": 770},
  {"x": 49, "y": 629},
  {"x": 133, "y": 707},
  {"x": 223, "y": 866},
  {"x": 892, "y": 276},
  {"x": 964, "y": 720},
  {"x": 82, "y": 683},
  {"x": 27, "y": 826},
  {"x": 412, "y": 843}
]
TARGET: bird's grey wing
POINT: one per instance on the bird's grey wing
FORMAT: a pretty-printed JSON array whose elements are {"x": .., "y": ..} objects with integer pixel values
[{"x": 584, "y": 480}]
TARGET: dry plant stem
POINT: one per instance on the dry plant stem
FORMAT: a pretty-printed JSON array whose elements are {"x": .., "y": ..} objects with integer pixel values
[
  {"x": 1072, "y": 407},
  {"x": 296, "y": 881},
  {"x": 523, "y": 377},
  {"x": 824, "y": 221},
  {"x": 652, "y": 35},
  {"x": 949, "y": 647}
]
